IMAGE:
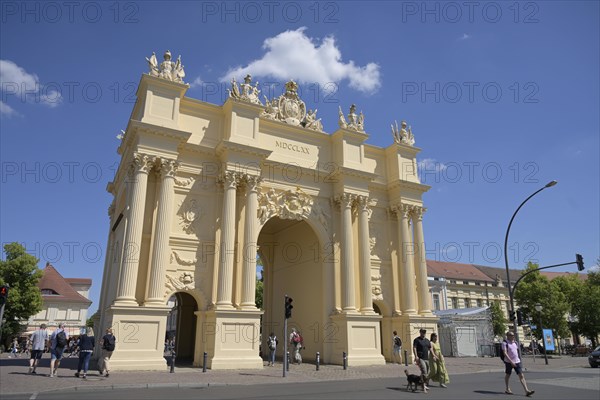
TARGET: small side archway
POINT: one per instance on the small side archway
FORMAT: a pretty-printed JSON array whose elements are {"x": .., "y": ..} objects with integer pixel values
[{"x": 181, "y": 326}]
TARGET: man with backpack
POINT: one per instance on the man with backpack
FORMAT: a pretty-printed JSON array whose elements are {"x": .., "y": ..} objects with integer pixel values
[
  {"x": 397, "y": 352},
  {"x": 272, "y": 343},
  {"x": 297, "y": 343},
  {"x": 108, "y": 346},
  {"x": 58, "y": 342}
]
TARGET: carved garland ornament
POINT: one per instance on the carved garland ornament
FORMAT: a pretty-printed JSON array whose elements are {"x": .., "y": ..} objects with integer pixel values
[
  {"x": 181, "y": 261},
  {"x": 185, "y": 281},
  {"x": 376, "y": 287}
]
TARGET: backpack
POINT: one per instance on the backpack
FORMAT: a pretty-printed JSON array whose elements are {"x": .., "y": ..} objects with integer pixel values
[
  {"x": 502, "y": 350},
  {"x": 272, "y": 343},
  {"x": 109, "y": 343},
  {"x": 297, "y": 338},
  {"x": 398, "y": 341},
  {"x": 61, "y": 339}
]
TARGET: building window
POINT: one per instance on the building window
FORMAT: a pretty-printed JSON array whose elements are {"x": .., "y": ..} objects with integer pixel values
[
  {"x": 452, "y": 281},
  {"x": 49, "y": 292},
  {"x": 436, "y": 302},
  {"x": 465, "y": 282},
  {"x": 454, "y": 302},
  {"x": 478, "y": 283},
  {"x": 467, "y": 303},
  {"x": 479, "y": 303}
]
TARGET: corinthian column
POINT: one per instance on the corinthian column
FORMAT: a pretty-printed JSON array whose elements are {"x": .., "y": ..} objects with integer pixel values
[
  {"x": 138, "y": 177},
  {"x": 160, "y": 252},
  {"x": 421, "y": 262},
  {"x": 249, "y": 265},
  {"x": 366, "y": 301},
  {"x": 348, "y": 297},
  {"x": 405, "y": 260},
  {"x": 230, "y": 181}
]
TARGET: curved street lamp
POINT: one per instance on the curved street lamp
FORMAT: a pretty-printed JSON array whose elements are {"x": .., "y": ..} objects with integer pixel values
[{"x": 510, "y": 289}]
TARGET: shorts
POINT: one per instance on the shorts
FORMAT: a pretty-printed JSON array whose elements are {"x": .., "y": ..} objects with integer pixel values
[
  {"x": 508, "y": 368},
  {"x": 57, "y": 353},
  {"x": 36, "y": 354}
]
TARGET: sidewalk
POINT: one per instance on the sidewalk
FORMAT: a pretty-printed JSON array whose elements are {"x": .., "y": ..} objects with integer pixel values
[{"x": 15, "y": 379}]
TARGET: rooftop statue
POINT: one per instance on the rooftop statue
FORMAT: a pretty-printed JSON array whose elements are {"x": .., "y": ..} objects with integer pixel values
[
  {"x": 248, "y": 92},
  {"x": 289, "y": 108},
  {"x": 169, "y": 70},
  {"x": 355, "y": 122},
  {"x": 403, "y": 135}
]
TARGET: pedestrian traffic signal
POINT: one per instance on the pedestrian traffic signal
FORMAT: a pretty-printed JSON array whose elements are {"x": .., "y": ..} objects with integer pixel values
[
  {"x": 519, "y": 317},
  {"x": 579, "y": 261},
  {"x": 3, "y": 294},
  {"x": 512, "y": 316},
  {"x": 288, "y": 307}
]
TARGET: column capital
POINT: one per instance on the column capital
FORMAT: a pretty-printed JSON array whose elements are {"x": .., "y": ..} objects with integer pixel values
[
  {"x": 252, "y": 182},
  {"x": 230, "y": 179},
  {"x": 403, "y": 210},
  {"x": 168, "y": 167},
  {"x": 363, "y": 202},
  {"x": 418, "y": 212},
  {"x": 345, "y": 200},
  {"x": 142, "y": 162}
]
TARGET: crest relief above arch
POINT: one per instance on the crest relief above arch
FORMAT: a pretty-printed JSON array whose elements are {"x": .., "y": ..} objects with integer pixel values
[{"x": 291, "y": 204}]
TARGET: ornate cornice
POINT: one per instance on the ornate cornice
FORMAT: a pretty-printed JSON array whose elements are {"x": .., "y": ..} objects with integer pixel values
[{"x": 226, "y": 146}]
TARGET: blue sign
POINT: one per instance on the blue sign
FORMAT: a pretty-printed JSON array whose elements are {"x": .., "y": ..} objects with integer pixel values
[{"x": 548, "y": 339}]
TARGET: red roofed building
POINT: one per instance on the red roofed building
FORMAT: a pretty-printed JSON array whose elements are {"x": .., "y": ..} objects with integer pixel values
[{"x": 64, "y": 300}]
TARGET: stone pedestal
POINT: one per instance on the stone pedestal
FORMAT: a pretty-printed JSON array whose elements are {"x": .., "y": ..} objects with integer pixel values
[
  {"x": 232, "y": 339},
  {"x": 359, "y": 336},
  {"x": 140, "y": 334}
]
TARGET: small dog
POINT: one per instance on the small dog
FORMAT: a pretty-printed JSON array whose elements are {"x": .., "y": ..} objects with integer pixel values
[{"x": 414, "y": 381}]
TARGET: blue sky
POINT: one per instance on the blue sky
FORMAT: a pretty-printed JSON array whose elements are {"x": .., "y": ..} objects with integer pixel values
[{"x": 502, "y": 97}]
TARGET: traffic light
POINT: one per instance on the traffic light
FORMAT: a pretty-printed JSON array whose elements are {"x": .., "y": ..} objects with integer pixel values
[
  {"x": 519, "y": 317},
  {"x": 512, "y": 316},
  {"x": 288, "y": 307},
  {"x": 579, "y": 261},
  {"x": 3, "y": 294}
]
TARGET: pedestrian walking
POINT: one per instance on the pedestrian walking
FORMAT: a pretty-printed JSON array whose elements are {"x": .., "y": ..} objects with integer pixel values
[
  {"x": 297, "y": 343},
  {"x": 397, "y": 349},
  {"x": 86, "y": 348},
  {"x": 39, "y": 341},
  {"x": 14, "y": 349},
  {"x": 421, "y": 346},
  {"x": 437, "y": 364},
  {"x": 58, "y": 342},
  {"x": 512, "y": 361},
  {"x": 272, "y": 343},
  {"x": 108, "y": 346}
]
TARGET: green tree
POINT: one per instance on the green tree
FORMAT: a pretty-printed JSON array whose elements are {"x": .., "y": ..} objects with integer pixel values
[
  {"x": 585, "y": 309},
  {"x": 537, "y": 289},
  {"x": 498, "y": 319},
  {"x": 20, "y": 271}
]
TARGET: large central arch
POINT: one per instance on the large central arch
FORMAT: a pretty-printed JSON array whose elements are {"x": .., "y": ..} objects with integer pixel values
[{"x": 293, "y": 266}]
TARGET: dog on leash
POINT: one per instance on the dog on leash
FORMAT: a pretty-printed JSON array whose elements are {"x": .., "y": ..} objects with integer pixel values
[{"x": 414, "y": 381}]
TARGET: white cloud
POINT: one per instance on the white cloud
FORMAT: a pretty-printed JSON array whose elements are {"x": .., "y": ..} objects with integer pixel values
[
  {"x": 15, "y": 81},
  {"x": 196, "y": 82},
  {"x": 430, "y": 166},
  {"x": 465, "y": 36},
  {"x": 6, "y": 110},
  {"x": 293, "y": 55}
]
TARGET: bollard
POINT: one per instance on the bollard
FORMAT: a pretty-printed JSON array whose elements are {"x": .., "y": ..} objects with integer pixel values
[
  {"x": 318, "y": 360},
  {"x": 405, "y": 358},
  {"x": 345, "y": 360},
  {"x": 287, "y": 361},
  {"x": 204, "y": 358},
  {"x": 172, "y": 361}
]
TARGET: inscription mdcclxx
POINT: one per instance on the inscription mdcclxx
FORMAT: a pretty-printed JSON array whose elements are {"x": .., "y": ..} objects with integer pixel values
[{"x": 292, "y": 147}]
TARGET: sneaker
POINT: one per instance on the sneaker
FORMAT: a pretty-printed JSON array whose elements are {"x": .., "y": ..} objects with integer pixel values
[
  {"x": 529, "y": 393},
  {"x": 51, "y": 376},
  {"x": 106, "y": 376},
  {"x": 31, "y": 370},
  {"x": 84, "y": 376},
  {"x": 77, "y": 374},
  {"x": 442, "y": 385}
]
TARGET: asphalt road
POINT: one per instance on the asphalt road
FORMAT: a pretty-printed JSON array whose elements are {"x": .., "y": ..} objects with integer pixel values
[{"x": 573, "y": 383}]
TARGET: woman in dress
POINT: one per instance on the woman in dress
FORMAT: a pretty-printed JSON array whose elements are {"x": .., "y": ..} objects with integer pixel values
[{"x": 438, "y": 371}]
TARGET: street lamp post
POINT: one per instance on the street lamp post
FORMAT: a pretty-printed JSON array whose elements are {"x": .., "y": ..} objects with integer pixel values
[
  {"x": 539, "y": 309},
  {"x": 510, "y": 289}
]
